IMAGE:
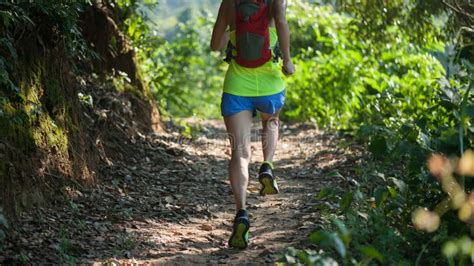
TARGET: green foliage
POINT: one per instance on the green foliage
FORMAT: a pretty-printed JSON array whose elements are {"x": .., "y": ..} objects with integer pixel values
[
  {"x": 343, "y": 79},
  {"x": 462, "y": 247},
  {"x": 415, "y": 20},
  {"x": 396, "y": 94},
  {"x": 379, "y": 216},
  {"x": 22, "y": 25},
  {"x": 125, "y": 242},
  {"x": 376, "y": 210},
  {"x": 67, "y": 249},
  {"x": 182, "y": 72},
  {"x": 403, "y": 96},
  {"x": 377, "y": 226}
]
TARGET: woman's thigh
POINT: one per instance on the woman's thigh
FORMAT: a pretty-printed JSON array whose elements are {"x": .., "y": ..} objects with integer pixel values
[
  {"x": 266, "y": 117},
  {"x": 239, "y": 130}
]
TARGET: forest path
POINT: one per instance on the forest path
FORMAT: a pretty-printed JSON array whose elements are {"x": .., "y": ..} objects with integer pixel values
[{"x": 168, "y": 201}]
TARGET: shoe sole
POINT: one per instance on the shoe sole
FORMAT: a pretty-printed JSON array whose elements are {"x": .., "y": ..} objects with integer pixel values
[
  {"x": 268, "y": 187},
  {"x": 239, "y": 238}
]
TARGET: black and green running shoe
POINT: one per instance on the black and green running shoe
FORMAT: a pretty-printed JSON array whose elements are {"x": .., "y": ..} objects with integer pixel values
[
  {"x": 240, "y": 234},
  {"x": 267, "y": 179}
]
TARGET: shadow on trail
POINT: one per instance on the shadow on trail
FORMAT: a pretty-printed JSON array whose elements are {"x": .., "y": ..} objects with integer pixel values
[{"x": 166, "y": 199}]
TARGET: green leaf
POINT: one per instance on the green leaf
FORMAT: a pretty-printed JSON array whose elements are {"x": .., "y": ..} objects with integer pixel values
[
  {"x": 336, "y": 174},
  {"x": 373, "y": 253},
  {"x": 325, "y": 192},
  {"x": 303, "y": 256},
  {"x": 448, "y": 104},
  {"x": 393, "y": 206},
  {"x": 380, "y": 194},
  {"x": 402, "y": 187},
  {"x": 343, "y": 232},
  {"x": 292, "y": 251},
  {"x": 329, "y": 239},
  {"x": 317, "y": 236},
  {"x": 425, "y": 140},
  {"x": 346, "y": 201},
  {"x": 358, "y": 195},
  {"x": 21, "y": 96},
  {"x": 450, "y": 249},
  {"x": 469, "y": 110},
  {"x": 290, "y": 259},
  {"x": 393, "y": 191},
  {"x": 372, "y": 86},
  {"x": 450, "y": 98},
  {"x": 378, "y": 146}
]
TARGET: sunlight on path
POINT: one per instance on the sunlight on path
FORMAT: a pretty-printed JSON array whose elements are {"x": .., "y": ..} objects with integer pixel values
[
  {"x": 278, "y": 221},
  {"x": 167, "y": 199}
]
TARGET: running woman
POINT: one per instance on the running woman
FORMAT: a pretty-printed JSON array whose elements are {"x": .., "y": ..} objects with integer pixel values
[{"x": 253, "y": 82}]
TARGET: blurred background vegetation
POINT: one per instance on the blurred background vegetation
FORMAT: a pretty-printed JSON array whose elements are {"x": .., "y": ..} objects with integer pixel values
[{"x": 395, "y": 76}]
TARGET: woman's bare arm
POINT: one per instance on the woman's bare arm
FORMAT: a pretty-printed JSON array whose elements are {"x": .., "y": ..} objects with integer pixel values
[
  {"x": 220, "y": 36},
  {"x": 283, "y": 31}
]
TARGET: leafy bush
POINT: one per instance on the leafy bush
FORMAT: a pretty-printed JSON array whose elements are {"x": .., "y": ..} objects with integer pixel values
[
  {"x": 344, "y": 81},
  {"x": 185, "y": 74},
  {"x": 182, "y": 71},
  {"x": 404, "y": 101}
]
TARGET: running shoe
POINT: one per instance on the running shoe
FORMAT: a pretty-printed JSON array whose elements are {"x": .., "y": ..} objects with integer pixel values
[
  {"x": 240, "y": 233},
  {"x": 267, "y": 179}
]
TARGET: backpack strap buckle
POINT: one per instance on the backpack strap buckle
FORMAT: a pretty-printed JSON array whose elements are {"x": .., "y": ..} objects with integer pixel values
[
  {"x": 228, "y": 52},
  {"x": 276, "y": 53}
]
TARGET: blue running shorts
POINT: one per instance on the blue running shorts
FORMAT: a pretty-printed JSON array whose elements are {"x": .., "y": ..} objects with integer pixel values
[{"x": 270, "y": 104}]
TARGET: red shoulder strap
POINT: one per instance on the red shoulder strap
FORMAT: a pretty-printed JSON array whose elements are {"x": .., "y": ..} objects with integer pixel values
[{"x": 267, "y": 2}]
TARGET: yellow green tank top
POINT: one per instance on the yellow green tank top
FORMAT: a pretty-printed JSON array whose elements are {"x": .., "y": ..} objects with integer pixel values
[{"x": 260, "y": 81}]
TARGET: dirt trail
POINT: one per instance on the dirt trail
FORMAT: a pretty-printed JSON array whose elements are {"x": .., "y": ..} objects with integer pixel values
[{"x": 167, "y": 201}]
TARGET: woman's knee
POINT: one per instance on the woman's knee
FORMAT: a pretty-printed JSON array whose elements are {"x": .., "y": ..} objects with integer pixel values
[
  {"x": 271, "y": 123},
  {"x": 241, "y": 151}
]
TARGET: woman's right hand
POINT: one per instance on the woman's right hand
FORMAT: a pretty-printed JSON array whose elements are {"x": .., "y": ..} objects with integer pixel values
[{"x": 288, "y": 68}]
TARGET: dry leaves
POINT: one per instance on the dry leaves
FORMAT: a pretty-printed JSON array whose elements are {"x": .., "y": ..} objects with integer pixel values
[{"x": 165, "y": 199}]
